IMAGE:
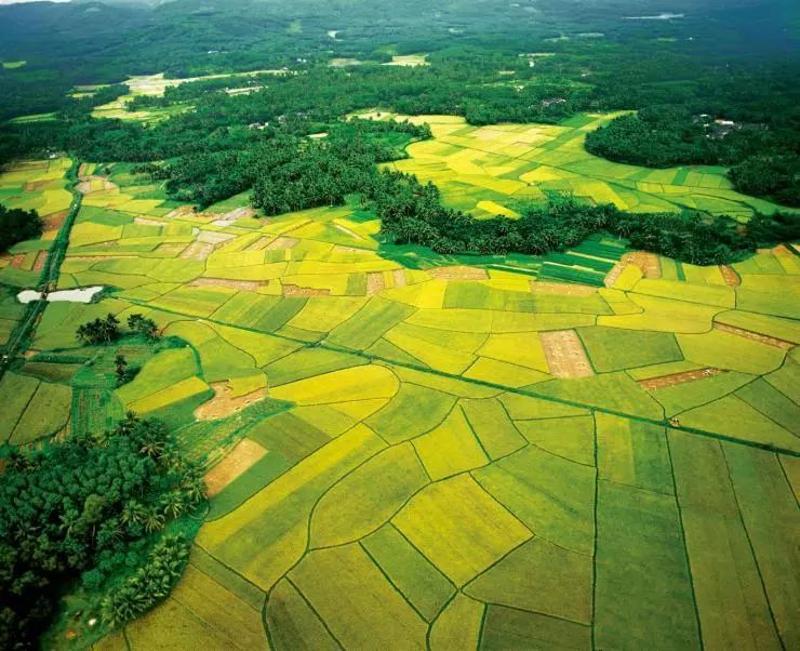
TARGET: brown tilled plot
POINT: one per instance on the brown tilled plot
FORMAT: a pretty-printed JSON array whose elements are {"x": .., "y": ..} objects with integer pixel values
[
  {"x": 245, "y": 285},
  {"x": 647, "y": 262},
  {"x": 237, "y": 462},
  {"x": 679, "y": 378},
  {"x": 375, "y": 283},
  {"x": 296, "y": 290},
  {"x": 282, "y": 243},
  {"x": 41, "y": 259},
  {"x": 755, "y": 336},
  {"x": 730, "y": 276},
  {"x": 224, "y": 403},
  {"x": 614, "y": 274},
  {"x": 566, "y": 357},
  {"x": 458, "y": 272},
  {"x": 197, "y": 251}
]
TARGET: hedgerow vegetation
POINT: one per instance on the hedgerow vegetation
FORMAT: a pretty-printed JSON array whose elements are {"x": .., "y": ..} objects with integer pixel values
[{"x": 90, "y": 513}]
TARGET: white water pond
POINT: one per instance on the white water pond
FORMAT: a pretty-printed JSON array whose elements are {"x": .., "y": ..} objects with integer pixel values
[{"x": 78, "y": 295}]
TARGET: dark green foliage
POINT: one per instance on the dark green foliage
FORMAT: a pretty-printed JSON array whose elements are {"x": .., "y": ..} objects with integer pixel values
[
  {"x": 17, "y": 225},
  {"x": 765, "y": 157},
  {"x": 775, "y": 175},
  {"x": 150, "y": 584},
  {"x": 141, "y": 325},
  {"x": 99, "y": 331},
  {"x": 85, "y": 506},
  {"x": 411, "y": 214}
]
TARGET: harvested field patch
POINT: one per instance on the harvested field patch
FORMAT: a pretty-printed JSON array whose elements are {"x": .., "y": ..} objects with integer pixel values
[
  {"x": 197, "y": 251},
  {"x": 224, "y": 403},
  {"x": 281, "y": 243},
  {"x": 54, "y": 220},
  {"x": 458, "y": 272},
  {"x": 237, "y": 462},
  {"x": 679, "y": 378},
  {"x": 375, "y": 283},
  {"x": 230, "y": 218},
  {"x": 561, "y": 289},
  {"x": 296, "y": 290},
  {"x": 755, "y": 336},
  {"x": 245, "y": 285},
  {"x": 730, "y": 276},
  {"x": 39, "y": 263},
  {"x": 647, "y": 262},
  {"x": 565, "y": 354},
  {"x": 613, "y": 275},
  {"x": 144, "y": 221},
  {"x": 399, "y": 277},
  {"x": 212, "y": 237}
]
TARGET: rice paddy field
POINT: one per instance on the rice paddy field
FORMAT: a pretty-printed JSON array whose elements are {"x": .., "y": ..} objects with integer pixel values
[{"x": 599, "y": 449}]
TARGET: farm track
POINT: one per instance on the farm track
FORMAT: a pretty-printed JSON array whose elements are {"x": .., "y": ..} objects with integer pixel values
[{"x": 20, "y": 338}]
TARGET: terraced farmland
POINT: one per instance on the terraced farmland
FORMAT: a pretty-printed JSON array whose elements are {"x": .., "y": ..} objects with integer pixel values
[{"x": 410, "y": 451}]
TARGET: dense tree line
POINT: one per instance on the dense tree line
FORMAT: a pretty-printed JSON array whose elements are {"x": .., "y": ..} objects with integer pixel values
[
  {"x": 17, "y": 225},
  {"x": 107, "y": 330},
  {"x": 411, "y": 213},
  {"x": 87, "y": 511},
  {"x": 765, "y": 158},
  {"x": 288, "y": 171}
]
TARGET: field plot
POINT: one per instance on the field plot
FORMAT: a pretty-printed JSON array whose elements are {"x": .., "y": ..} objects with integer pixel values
[
  {"x": 492, "y": 170},
  {"x": 601, "y": 451}
]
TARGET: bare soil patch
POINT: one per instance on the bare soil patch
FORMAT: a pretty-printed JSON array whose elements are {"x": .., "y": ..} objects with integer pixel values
[
  {"x": 212, "y": 237},
  {"x": 647, "y": 262},
  {"x": 144, "y": 221},
  {"x": 755, "y": 336},
  {"x": 458, "y": 272},
  {"x": 224, "y": 404},
  {"x": 239, "y": 460},
  {"x": 399, "y": 277},
  {"x": 730, "y": 276},
  {"x": 246, "y": 285},
  {"x": 54, "y": 221},
  {"x": 17, "y": 261},
  {"x": 565, "y": 354},
  {"x": 296, "y": 290},
  {"x": 561, "y": 289},
  {"x": 230, "y": 218},
  {"x": 375, "y": 283},
  {"x": 679, "y": 378},
  {"x": 614, "y": 274},
  {"x": 197, "y": 251},
  {"x": 39, "y": 263},
  {"x": 282, "y": 243}
]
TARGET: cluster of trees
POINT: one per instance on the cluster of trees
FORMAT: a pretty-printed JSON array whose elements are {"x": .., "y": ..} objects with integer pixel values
[
  {"x": 17, "y": 225},
  {"x": 150, "y": 583},
  {"x": 411, "y": 213},
  {"x": 106, "y": 330},
  {"x": 87, "y": 510},
  {"x": 765, "y": 158},
  {"x": 288, "y": 171}
]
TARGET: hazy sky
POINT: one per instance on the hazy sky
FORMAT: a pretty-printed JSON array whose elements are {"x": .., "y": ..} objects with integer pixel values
[{"x": 12, "y": 2}]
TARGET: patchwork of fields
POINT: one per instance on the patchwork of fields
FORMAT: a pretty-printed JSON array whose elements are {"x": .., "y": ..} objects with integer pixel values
[
  {"x": 442, "y": 454},
  {"x": 489, "y": 170}
]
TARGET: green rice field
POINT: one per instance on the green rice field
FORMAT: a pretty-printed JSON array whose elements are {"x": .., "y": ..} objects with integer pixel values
[{"x": 584, "y": 451}]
